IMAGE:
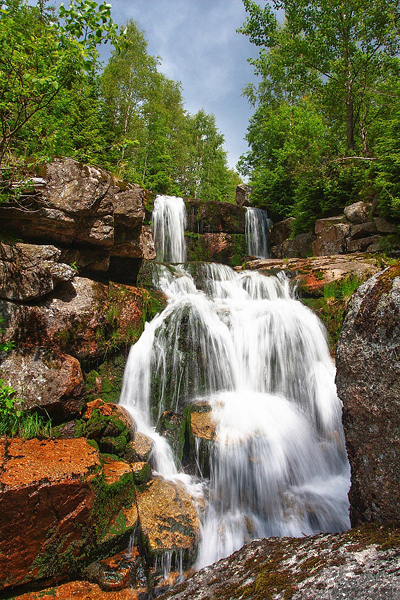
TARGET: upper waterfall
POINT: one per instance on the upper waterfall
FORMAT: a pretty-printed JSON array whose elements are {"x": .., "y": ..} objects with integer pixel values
[
  {"x": 257, "y": 227},
  {"x": 169, "y": 222}
]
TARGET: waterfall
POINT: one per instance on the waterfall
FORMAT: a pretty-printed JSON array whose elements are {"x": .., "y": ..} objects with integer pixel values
[
  {"x": 257, "y": 226},
  {"x": 244, "y": 345},
  {"x": 169, "y": 221}
]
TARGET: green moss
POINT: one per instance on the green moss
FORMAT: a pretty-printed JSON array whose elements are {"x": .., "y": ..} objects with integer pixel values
[{"x": 108, "y": 432}]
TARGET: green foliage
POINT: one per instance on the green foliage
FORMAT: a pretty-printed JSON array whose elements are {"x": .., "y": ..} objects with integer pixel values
[
  {"x": 14, "y": 421},
  {"x": 41, "y": 56},
  {"x": 325, "y": 129}
]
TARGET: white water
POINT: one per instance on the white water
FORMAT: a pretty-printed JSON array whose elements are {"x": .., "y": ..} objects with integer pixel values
[
  {"x": 169, "y": 222},
  {"x": 260, "y": 358},
  {"x": 257, "y": 226}
]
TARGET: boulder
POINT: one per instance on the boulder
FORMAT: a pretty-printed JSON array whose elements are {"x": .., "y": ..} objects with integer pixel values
[
  {"x": 83, "y": 590},
  {"x": 29, "y": 272},
  {"x": 45, "y": 501},
  {"x": 168, "y": 518},
  {"x": 358, "y": 212},
  {"x": 362, "y": 230},
  {"x": 243, "y": 193},
  {"x": 84, "y": 318},
  {"x": 226, "y": 248},
  {"x": 124, "y": 570},
  {"x": 83, "y": 206},
  {"x": 300, "y": 246},
  {"x": 140, "y": 448},
  {"x": 214, "y": 217},
  {"x": 280, "y": 231},
  {"x": 367, "y": 244},
  {"x": 59, "y": 508},
  {"x": 368, "y": 383},
  {"x": 355, "y": 565},
  {"x": 332, "y": 237},
  {"x": 383, "y": 226},
  {"x": 48, "y": 381}
]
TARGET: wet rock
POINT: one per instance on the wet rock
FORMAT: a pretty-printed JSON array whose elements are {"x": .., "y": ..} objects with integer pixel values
[
  {"x": 83, "y": 590},
  {"x": 140, "y": 448},
  {"x": 223, "y": 248},
  {"x": 172, "y": 426},
  {"x": 355, "y": 565},
  {"x": 49, "y": 382},
  {"x": 368, "y": 382},
  {"x": 124, "y": 570},
  {"x": 29, "y": 272},
  {"x": 168, "y": 518},
  {"x": 141, "y": 472},
  {"x": 214, "y": 217},
  {"x": 110, "y": 426},
  {"x": 202, "y": 434},
  {"x": 358, "y": 212},
  {"x": 45, "y": 501}
]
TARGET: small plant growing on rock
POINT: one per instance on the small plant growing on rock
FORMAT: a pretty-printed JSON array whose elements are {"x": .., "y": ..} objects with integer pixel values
[{"x": 14, "y": 421}]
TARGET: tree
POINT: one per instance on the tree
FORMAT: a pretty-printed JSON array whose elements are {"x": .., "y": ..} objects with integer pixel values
[
  {"x": 43, "y": 54},
  {"x": 342, "y": 51}
]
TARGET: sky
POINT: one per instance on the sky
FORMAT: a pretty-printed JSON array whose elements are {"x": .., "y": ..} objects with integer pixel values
[{"x": 197, "y": 43}]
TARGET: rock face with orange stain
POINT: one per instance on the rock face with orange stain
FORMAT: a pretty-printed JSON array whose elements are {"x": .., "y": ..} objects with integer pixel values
[
  {"x": 168, "y": 517},
  {"x": 58, "y": 508},
  {"x": 83, "y": 590},
  {"x": 312, "y": 274}
]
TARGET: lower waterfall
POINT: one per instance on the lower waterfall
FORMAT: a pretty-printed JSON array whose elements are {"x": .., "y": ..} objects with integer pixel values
[{"x": 242, "y": 344}]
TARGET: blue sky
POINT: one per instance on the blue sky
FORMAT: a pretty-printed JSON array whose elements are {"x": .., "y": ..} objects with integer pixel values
[{"x": 198, "y": 46}]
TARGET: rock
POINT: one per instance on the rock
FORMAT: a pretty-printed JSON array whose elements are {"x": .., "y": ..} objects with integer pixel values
[
  {"x": 168, "y": 518},
  {"x": 355, "y": 565},
  {"x": 243, "y": 193},
  {"x": 202, "y": 434},
  {"x": 87, "y": 260},
  {"x": 358, "y": 212},
  {"x": 141, "y": 472},
  {"x": 140, "y": 448},
  {"x": 214, "y": 217},
  {"x": 172, "y": 426},
  {"x": 45, "y": 501},
  {"x": 362, "y": 230},
  {"x": 75, "y": 206},
  {"x": 29, "y": 272},
  {"x": 224, "y": 248},
  {"x": 84, "y": 318},
  {"x": 110, "y": 426},
  {"x": 280, "y": 231},
  {"x": 300, "y": 246},
  {"x": 364, "y": 244},
  {"x": 332, "y": 237},
  {"x": 49, "y": 382},
  {"x": 383, "y": 226},
  {"x": 85, "y": 206},
  {"x": 124, "y": 570},
  {"x": 312, "y": 274},
  {"x": 83, "y": 590},
  {"x": 132, "y": 239},
  {"x": 368, "y": 382}
]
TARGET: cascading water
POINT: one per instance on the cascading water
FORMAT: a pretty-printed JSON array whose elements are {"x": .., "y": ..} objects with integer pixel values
[
  {"x": 259, "y": 358},
  {"x": 257, "y": 226},
  {"x": 169, "y": 222}
]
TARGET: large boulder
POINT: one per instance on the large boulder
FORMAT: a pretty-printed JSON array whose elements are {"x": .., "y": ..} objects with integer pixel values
[
  {"x": 368, "y": 382},
  {"x": 332, "y": 236},
  {"x": 86, "y": 208},
  {"x": 29, "y": 272},
  {"x": 355, "y": 565},
  {"x": 243, "y": 193},
  {"x": 49, "y": 382},
  {"x": 358, "y": 212},
  {"x": 58, "y": 508},
  {"x": 83, "y": 318}
]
